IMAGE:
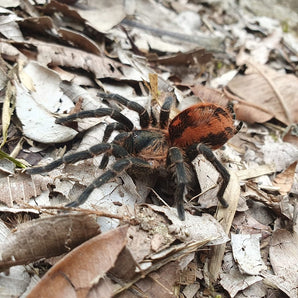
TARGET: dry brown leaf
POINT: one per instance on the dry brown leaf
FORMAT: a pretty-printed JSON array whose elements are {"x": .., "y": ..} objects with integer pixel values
[
  {"x": 244, "y": 223},
  {"x": 125, "y": 266},
  {"x": 160, "y": 283},
  {"x": 65, "y": 10},
  {"x": 100, "y": 66},
  {"x": 285, "y": 179},
  {"x": 46, "y": 237},
  {"x": 82, "y": 268},
  {"x": 80, "y": 41},
  {"x": 38, "y": 25},
  {"x": 267, "y": 94},
  {"x": 196, "y": 56},
  {"x": 206, "y": 94},
  {"x": 20, "y": 188},
  {"x": 42, "y": 24}
]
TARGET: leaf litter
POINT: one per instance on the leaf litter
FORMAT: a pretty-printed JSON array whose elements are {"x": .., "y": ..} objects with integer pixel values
[{"x": 55, "y": 58}]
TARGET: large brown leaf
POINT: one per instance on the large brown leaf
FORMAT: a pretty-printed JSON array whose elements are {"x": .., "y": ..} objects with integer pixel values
[
  {"x": 82, "y": 268},
  {"x": 267, "y": 94}
]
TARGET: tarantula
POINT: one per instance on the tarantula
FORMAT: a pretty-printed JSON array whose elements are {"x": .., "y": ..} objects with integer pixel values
[{"x": 166, "y": 147}]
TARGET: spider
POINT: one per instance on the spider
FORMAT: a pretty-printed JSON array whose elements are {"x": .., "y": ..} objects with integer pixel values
[{"x": 168, "y": 147}]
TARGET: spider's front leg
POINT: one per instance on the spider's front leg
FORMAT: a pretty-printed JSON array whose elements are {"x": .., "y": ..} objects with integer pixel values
[
  {"x": 114, "y": 149},
  {"x": 196, "y": 149},
  {"x": 175, "y": 157},
  {"x": 116, "y": 169}
]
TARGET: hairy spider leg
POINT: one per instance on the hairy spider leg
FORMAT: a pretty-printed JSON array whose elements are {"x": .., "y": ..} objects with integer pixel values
[
  {"x": 175, "y": 157},
  {"x": 165, "y": 112},
  {"x": 196, "y": 149},
  {"x": 143, "y": 115},
  {"x": 110, "y": 128},
  {"x": 230, "y": 107},
  {"x": 238, "y": 127},
  {"x": 134, "y": 106},
  {"x": 117, "y": 168},
  {"x": 116, "y": 150},
  {"x": 98, "y": 113},
  {"x": 118, "y": 140}
]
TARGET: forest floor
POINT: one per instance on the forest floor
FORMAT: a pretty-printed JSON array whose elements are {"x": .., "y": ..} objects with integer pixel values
[{"x": 125, "y": 241}]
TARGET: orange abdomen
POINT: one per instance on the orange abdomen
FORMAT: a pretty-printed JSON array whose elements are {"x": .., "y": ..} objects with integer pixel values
[{"x": 205, "y": 123}]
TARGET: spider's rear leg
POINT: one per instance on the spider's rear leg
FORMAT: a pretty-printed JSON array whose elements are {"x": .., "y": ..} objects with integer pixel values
[
  {"x": 116, "y": 150},
  {"x": 165, "y": 112},
  {"x": 134, "y": 106},
  {"x": 175, "y": 157},
  {"x": 230, "y": 107},
  {"x": 196, "y": 149},
  {"x": 117, "y": 168}
]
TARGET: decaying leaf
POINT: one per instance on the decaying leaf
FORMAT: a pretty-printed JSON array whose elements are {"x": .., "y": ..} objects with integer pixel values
[
  {"x": 16, "y": 282},
  {"x": 285, "y": 179},
  {"x": 45, "y": 238},
  {"x": 232, "y": 280},
  {"x": 84, "y": 267},
  {"x": 245, "y": 223},
  {"x": 35, "y": 112},
  {"x": 100, "y": 66},
  {"x": 246, "y": 252},
  {"x": 254, "y": 172},
  {"x": 206, "y": 94},
  {"x": 101, "y": 15},
  {"x": 7, "y": 110},
  {"x": 196, "y": 56},
  {"x": 225, "y": 216},
  {"x": 268, "y": 93},
  {"x": 21, "y": 188},
  {"x": 115, "y": 47},
  {"x": 161, "y": 283},
  {"x": 187, "y": 230},
  {"x": 284, "y": 260}
]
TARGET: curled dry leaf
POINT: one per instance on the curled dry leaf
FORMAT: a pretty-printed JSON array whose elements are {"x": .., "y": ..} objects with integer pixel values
[
  {"x": 80, "y": 40},
  {"x": 196, "y": 56},
  {"x": 285, "y": 179},
  {"x": 100, "y": 66},
  {"x": 20, "y": 188},
  {"x": 267, "y": 94},
  {"x": 45, "y": 238},
  {"x": 84, "y": 267}
]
